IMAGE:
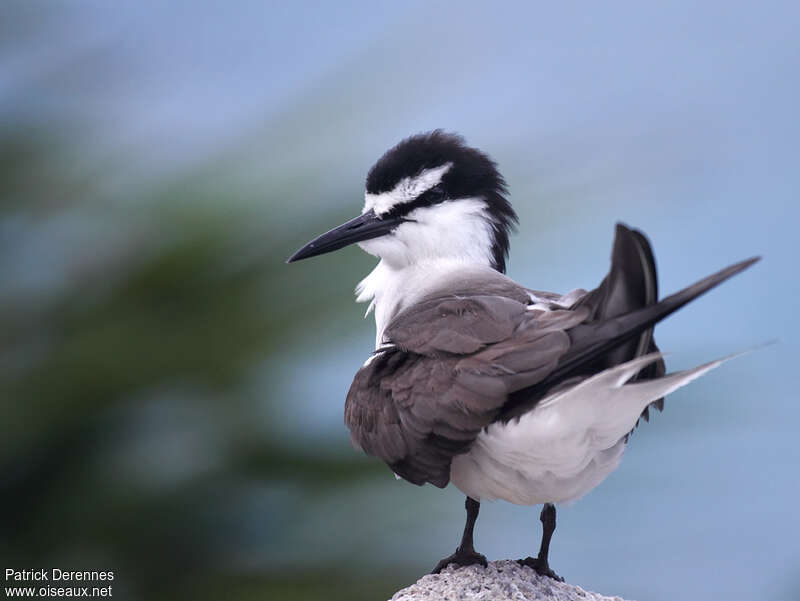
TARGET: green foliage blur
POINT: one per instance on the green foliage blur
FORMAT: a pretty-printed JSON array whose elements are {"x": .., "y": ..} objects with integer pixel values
[{"x": 132, "y": 321}]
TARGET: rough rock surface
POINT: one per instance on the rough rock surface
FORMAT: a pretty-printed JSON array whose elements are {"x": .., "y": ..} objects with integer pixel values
[{"x": 501, "y": 581}]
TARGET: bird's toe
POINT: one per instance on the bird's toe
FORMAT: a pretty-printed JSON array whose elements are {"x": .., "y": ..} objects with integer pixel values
[
  {"x": 541, "y": 567},
  {"x": 461, "y": 558}
]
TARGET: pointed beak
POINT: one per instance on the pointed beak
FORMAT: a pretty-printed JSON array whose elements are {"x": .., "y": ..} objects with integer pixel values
[{"x": 364, "y": 227}]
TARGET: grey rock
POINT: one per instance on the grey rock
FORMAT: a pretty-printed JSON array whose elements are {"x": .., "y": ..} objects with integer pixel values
[{"x": 501, "y": 581}]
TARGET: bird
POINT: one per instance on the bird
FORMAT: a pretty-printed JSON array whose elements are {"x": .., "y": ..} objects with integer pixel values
[{"x": 504, "y": 391}]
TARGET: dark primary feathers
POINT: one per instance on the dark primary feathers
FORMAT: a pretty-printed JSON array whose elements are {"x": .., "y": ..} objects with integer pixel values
[
  {"x": 459, "y": 363},
  {"x": 472, "y": 174},
  {"x": 631, "y": 284}
]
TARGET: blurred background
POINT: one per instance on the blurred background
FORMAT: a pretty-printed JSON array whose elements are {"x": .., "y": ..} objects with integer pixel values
[{"x": 171, "y": 392}]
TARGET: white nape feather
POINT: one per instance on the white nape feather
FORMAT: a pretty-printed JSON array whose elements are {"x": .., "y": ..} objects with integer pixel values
[
  {"x": 569, "y": 442},
  {"x": 437, "y": 245},
  {"x": 406, "y": 190},
  {"x": 549, "y": 301}
]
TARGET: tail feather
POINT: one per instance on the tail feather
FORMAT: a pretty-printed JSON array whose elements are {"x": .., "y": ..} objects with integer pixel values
[
  {"x": 611, "y": 402},
  {"x": 631, "y": 284},
  {"x": 647, "y": 343},
  {"x": 590, "y": 341}
]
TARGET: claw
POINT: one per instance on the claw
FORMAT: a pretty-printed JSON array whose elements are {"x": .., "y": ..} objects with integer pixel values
[
  {"x": 541, "y": 567},
  {"x": 461, "y": 559}
]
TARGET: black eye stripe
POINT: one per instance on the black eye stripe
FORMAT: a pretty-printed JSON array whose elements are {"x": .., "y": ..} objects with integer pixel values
[{"x": 433, "y": 196}]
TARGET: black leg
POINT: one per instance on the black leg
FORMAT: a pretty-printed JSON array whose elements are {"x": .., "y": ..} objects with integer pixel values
[
  {"x": 465, "y": 555},
  {"x": 540, "y": 564}
]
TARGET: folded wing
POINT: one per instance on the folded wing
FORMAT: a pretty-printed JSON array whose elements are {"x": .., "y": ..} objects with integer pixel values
[
  {"x": 456, "y": 364},
  {"x": 452, "y": 367}
]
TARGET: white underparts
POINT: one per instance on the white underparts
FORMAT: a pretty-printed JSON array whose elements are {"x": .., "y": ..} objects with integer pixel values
[{"x": 569, "y": 442}]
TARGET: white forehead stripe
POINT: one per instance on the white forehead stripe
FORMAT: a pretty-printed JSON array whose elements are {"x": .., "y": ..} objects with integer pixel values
[{"x": 407, "y": 189}]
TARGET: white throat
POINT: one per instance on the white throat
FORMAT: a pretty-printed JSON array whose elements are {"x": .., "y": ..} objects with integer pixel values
[
  {"x": 390, "y": 291},
  {"x": 423, "y": 255}
]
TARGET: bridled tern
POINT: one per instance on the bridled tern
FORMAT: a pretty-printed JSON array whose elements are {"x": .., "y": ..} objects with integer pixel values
[{"x": 507, "y": 392}]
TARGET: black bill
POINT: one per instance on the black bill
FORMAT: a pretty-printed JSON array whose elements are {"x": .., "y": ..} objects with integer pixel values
[{"x": 365, "y": 226}]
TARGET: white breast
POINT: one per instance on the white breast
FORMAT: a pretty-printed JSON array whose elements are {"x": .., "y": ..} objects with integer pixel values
[
  {"x": 566, "y": 445},
  {"x": 391, "y": 289}
]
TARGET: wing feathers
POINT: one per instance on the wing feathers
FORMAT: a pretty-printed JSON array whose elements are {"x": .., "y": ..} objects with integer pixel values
[
  {"x": 591, "y": 340},
  {"x": 460, "y": 363},
  {"x": 458, "y": 325}
]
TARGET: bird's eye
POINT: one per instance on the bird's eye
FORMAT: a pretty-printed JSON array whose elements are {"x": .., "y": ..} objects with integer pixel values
[
  {"x": 432, "y": 196},
  {"x": 437, "y": 193}
]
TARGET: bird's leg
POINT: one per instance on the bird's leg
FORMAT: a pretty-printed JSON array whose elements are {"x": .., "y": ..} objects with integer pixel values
[
  {"x": 548, "y": 517},
  {"x": 465, "y": 555}
]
